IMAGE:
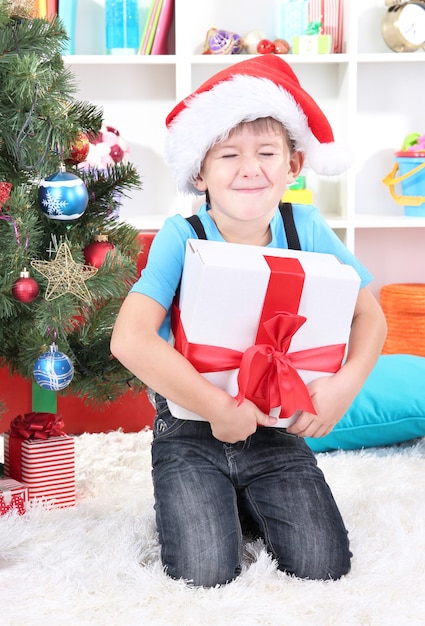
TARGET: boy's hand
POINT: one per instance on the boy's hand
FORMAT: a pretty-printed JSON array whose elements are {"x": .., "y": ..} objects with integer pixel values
[
  {"x": 237, "y": 422},
  {"x": 331, "y": 401}
]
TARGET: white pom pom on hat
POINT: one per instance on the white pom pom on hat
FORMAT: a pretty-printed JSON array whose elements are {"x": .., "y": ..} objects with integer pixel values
[{"x": 262, "y": 86}]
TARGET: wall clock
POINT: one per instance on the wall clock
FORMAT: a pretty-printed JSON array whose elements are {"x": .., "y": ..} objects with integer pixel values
[{"x": 403, "y": 25}]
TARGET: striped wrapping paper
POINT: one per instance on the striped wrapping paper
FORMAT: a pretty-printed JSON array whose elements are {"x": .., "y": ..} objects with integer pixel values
[
  {"x": 47, "y": 468},
  {"x": 13, "y": 496},
  {"x": 329, "y": 12}
]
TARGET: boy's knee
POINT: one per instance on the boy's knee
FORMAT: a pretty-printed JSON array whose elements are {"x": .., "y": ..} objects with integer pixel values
[
  {"x": 315, "y": 567},
  {"x": 199, "y": 576}
]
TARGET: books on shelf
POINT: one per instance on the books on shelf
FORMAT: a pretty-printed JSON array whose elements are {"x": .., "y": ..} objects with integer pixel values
[
  {"x": 156, "y": 30},
  {"x": 47, "y": 8}
]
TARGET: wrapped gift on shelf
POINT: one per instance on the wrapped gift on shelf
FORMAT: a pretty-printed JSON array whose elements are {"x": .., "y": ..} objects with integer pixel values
[
  {"x": 297, "y": 193},
  {"x": 262, "y": 323},
  {"x": 13, "y": 496},
  {"x": 312, "y": 42},
  {"x": 39, "y": 454},
  {"x": 329, "y": 14},
  {"x": 291, "y": 18}
]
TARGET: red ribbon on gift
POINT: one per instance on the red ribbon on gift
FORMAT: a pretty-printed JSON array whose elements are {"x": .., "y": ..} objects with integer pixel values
[
  {"x": 30, "y": 426},
  {"x": 267, "y": 372},
  {"x": 37, "y": 426}
]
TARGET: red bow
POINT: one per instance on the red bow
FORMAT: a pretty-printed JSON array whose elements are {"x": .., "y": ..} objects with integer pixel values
[
  {"x": 37, "y": 426},
  {"x": 267, "y": 373}
]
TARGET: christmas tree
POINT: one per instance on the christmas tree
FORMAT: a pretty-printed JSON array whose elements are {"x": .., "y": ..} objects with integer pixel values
[{"x": 66, "y": 259}]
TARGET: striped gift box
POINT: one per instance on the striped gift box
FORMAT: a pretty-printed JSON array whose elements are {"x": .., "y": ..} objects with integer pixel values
[
  {"x": 46, "y": 466},
  {"x": 329, "y": 12},
  {"x": 13, "y": 496}
]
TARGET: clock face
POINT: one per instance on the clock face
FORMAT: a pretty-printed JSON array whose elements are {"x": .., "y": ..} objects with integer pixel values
[{"x": 411, "y": 23}]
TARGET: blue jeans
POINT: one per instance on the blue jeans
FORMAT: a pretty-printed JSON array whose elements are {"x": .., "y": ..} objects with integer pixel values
[{"x": 207, "y": 493}]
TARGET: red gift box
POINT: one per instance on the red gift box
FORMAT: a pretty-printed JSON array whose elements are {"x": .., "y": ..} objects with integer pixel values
[
  {"x": 13, "y": 496},
  {"x": 329, "y": 13},
  {"x": 36, "y": 454}
]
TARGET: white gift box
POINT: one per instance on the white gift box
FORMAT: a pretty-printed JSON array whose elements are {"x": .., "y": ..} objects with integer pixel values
[{"x": 228, "y": 290}]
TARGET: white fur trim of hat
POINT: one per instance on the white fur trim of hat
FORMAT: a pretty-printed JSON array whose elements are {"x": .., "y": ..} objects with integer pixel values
[{"x": 263, "y": 86}]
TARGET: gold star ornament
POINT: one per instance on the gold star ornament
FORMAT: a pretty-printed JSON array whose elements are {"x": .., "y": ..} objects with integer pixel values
[{"x": 65, "y": 275}]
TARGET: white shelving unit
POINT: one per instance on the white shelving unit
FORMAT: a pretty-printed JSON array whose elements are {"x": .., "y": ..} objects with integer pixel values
[{"x": 372, "y": 96}]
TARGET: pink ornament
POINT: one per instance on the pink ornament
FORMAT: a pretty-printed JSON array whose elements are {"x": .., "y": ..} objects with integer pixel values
[{"x": 107, "y": 148}]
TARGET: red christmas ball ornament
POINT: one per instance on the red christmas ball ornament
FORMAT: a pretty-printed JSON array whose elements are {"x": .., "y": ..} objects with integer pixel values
[
  {"x": 281, "y": 46},
  {"x": 265, "y": 46},
  {"x": 79, "y": 149},
  {"x": 25, "y": 289},
  {"x": 95, "y": 252}
]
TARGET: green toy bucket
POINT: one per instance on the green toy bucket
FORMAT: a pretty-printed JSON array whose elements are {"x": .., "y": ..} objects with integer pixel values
[{"x": 411, "y": 167}]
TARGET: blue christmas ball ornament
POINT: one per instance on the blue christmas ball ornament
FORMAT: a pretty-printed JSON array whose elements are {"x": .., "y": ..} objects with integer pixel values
[
  {"x": 53, "y": 370},
  {"x": 63, "y": 196}
]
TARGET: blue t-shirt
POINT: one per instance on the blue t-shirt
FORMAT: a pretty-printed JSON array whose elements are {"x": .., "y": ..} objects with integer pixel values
[{"x": 162, "y": 274}]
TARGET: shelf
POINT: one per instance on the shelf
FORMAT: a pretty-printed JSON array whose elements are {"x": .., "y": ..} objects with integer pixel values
[
  {"x": 312, "y": 59},
  {"x": 388, "y": 221},
  {"x": 118, "y": 59},
  {"x": 391, "y": 57},
  {"x": 371, "y": 95}
]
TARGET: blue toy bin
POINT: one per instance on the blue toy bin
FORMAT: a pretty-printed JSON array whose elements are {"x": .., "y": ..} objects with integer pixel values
[{"x": 411, "y": 168}]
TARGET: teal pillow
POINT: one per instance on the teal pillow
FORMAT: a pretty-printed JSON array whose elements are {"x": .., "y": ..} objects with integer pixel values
[{"x": 389, "y": 409}]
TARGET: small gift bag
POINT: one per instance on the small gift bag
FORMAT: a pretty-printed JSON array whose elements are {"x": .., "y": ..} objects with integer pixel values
[{"x": 39, "y": 454}]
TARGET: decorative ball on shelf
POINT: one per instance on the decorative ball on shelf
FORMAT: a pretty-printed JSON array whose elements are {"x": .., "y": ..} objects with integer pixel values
[
  {"x": 95, "y": 252},
  {"x": 237, "y": 44},
  {"x": 265, "y": 46},
  {"x": 79, "y": 149},
  {"x": 251, "y": 41},
  {"x": 53, "y": 370},
  {"x": 63, "y": 196},
  {"x": 281, "y": 46},
  {"x": 25, "y": 288},
  {"x": 107, "y": 148},
  {"x": 220, "y": 41}
]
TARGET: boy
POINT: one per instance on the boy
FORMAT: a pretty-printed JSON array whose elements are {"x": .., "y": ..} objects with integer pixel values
[{"x": 241, "y": 138}]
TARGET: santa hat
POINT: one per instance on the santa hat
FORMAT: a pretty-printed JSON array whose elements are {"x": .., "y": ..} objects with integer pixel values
[{"x": 263, "y": 86}]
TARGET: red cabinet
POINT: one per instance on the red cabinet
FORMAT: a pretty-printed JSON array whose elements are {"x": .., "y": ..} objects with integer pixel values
[{"x": 131, "y": 412}]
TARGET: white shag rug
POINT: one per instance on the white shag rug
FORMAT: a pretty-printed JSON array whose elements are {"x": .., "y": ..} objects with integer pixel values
[{"x": 98, "y": 562}]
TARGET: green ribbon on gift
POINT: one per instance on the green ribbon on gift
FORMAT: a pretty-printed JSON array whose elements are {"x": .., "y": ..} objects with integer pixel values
[
  {"x": 313, "y": 28},
  {"x": 43, "y": 400}
]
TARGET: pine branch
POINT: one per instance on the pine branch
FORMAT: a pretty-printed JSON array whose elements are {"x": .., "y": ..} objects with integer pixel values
[{"x": 40, "y": 119}]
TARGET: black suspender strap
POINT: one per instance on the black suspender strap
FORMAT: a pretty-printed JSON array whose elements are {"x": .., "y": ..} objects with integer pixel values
[
  {"x": 286, "y": 212},
  {"x": 196, "y": 224}
]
